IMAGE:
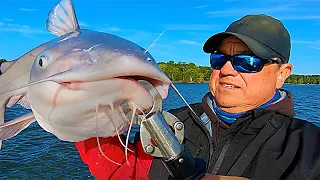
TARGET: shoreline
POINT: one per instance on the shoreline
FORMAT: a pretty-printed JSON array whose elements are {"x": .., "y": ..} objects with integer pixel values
[{"x": 206, "y": 82}]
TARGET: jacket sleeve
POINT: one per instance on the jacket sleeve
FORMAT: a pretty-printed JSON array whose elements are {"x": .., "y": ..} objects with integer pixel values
[{"x": 137, "y": 166}]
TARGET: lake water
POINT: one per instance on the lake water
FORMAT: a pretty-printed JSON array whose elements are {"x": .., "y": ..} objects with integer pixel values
[{"x": 36, "y": 154}]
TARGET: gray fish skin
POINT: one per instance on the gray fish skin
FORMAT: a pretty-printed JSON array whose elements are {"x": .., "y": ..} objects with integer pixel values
[
  {"x": 87, "y": 69},
  {"x": 15, "y": 73},
  {"x": 78, "y": 81}
]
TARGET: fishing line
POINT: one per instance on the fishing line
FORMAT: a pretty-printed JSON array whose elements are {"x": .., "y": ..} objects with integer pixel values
[
  {"x": 172, "y": 85},
  {"x": 180, "y": 95},
  {"x": 154, "y": 42}
]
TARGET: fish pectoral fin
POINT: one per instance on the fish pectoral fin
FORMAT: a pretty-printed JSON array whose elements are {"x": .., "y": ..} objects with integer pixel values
[
  {"x": 14, "y": 127},
  {"x": 21, "y": 99},
  {"x": 24, "y": 102},
  {"x": 6, "y": 65},
  {"x": 62, "y": 19}
]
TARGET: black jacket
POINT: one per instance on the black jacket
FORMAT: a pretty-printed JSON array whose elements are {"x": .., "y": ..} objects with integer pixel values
[{"x": 262, "y": 144}]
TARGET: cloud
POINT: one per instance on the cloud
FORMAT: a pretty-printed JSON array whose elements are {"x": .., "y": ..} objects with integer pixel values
[
  {"x": 24, "y": 29},
  {"x": 141, "y": 37},
  {"x": 108, "y": 28},
  {"x": 241, "y": 11},
  {"x": 130, "y": 32},
  {"x": 304, "y": 17},
  {"x": 203, "y": 6},
  {"x": 114, "y": 29},
  {"x": 25, "y": 9},
  {"x": 191, "y": 27},
  {"x": 1, "y": 23},
  {"x": 311, "y": 44},
  {"x": 163, "y": 46},
  {"x": 82, "y": 24},
  {"x": 305, "y": 42},
  {"x": 304, "y": 1},
  {"x": 190, "y": 42},
  {"x": 7, "y": 19}
]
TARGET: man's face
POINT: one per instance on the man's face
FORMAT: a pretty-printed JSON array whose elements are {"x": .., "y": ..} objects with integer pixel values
[{"x": 239, "y": 92}]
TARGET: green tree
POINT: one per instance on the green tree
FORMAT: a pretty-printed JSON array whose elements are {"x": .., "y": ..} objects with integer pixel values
[
  {"x": 190, "y": 72},
  {"x": 200, "y": 77}
]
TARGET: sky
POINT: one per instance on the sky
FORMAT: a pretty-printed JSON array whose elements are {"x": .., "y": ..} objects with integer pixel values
[{"x": 189, "y": 24}]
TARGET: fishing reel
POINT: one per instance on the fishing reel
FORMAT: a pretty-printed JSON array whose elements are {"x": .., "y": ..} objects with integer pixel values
[{"x": 161, "y": 135}]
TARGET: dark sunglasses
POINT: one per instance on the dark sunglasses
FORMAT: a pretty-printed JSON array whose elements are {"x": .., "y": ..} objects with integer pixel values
[{"x": 240, "y": 62}]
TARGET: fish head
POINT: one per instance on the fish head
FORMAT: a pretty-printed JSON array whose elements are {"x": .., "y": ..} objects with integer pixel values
[
  {"x": 81, "y": 80},
  {"x": 87, "y": 56}
]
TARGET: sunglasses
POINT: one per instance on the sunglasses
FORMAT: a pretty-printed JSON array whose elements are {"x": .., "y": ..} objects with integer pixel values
[{"x": 240, "y": 62}]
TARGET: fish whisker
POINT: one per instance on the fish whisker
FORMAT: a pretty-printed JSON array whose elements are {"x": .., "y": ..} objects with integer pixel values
[
  {"x": 102, "y": 153},
  {"x": 98, "y": 142},
  {"x": 135, "y": 107},
  {"x": 127, "y": 139},
  {"x": 24, "y": 86},
  {"x": 118, "y": 133},
  {"x": 50, "y": 78}
]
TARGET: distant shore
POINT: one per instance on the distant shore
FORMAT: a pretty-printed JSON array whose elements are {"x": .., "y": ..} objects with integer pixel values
[
  {"x": 206, "y": 82},
  {"x": 182, "y": 72},
  {"x": 179, "y": 82}
]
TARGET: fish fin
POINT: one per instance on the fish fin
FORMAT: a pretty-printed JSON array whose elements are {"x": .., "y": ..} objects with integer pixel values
[
  {"x": 62, "y": 19},
  {"x": 24, "y": 102},
  {"x": 14, "y": 127},
  {"x": 2, "y": 110},
  {"x": 21, "y": 99},
  {"x": 13, "y": 100},
  {"x": 6, "y": 65}
]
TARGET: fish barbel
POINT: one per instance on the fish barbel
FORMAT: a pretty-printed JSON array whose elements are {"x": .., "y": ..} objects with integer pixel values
[{"x": 79, "y": 81}]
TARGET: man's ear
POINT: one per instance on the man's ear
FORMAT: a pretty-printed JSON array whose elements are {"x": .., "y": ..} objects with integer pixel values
[{"x": 282, "y": 74}]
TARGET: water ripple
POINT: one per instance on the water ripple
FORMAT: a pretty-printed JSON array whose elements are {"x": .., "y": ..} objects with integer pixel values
[{"x": 36, "y": 154}]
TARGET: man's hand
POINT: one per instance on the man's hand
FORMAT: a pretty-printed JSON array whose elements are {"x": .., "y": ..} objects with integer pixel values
[{"x": 216, "y": 177}]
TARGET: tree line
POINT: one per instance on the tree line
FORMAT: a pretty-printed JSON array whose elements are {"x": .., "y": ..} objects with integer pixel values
[
  {"x": 190, "y": 73},
  {"x": 303, "y": 79}
]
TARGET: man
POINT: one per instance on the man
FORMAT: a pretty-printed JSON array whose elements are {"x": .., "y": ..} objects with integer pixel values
[{"x": 253, "y": 133}]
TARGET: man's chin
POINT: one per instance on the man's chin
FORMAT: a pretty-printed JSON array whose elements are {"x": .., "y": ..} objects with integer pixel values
[
  {"x": 223, "y": 102},
  {"x": 227, "y": 105}
]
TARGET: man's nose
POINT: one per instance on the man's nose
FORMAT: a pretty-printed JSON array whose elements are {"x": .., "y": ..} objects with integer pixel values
[{"x": 228, "y": 70}]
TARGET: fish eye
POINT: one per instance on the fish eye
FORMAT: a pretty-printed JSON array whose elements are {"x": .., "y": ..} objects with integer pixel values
[
  {"x": 43, "y": 61},
  {"x": 149, "y": 59}
]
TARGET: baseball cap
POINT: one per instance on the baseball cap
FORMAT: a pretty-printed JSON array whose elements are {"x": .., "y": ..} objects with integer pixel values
[{"x": 265, "y": 36}]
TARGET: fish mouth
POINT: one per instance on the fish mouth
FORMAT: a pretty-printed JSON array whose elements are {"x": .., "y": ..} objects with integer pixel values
[
  {"x": 161, "y": 86},
  {"x": 125, "y": 67}
]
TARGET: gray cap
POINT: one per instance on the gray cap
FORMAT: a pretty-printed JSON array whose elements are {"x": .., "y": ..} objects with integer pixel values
[{"x": 265, "y": 36}]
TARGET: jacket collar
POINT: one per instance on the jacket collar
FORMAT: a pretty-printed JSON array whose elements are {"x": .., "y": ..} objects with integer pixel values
[{"x": 283, "y": 106}]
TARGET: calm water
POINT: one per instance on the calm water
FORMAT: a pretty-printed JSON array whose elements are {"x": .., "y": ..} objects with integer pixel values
[{"x": 36, "y": 154}]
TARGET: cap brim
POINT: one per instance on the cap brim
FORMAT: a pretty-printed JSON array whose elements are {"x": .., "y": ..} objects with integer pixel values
[{"x": 257, "y": 48}]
